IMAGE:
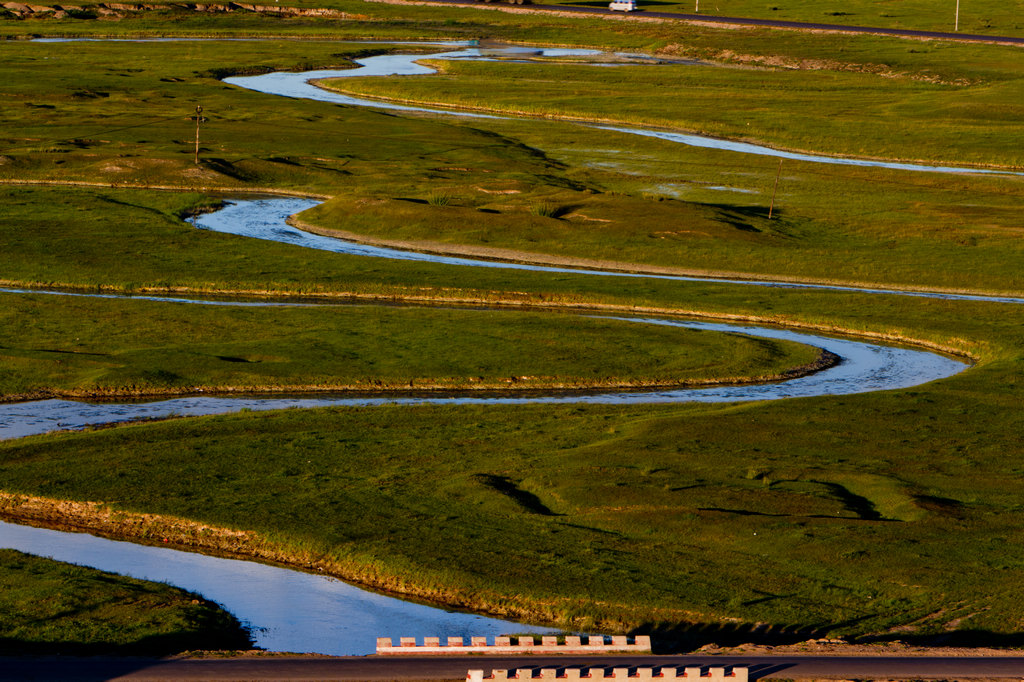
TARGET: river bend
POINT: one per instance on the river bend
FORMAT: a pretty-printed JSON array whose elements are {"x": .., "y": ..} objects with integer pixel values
[
  {"x": 300, "y": 85},
  {"x": 292, "y": 611}
]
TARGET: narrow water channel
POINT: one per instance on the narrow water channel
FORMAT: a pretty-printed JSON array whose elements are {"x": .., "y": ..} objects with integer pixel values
[
  {"x": 864, "y": 367},
  {"x": 286, "y": 610},
  {"x": 299, "y": 85},
  {"x": 265, "y": 219}
]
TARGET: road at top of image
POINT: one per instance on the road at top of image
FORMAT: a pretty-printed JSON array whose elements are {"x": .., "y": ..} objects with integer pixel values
[{"x": 767, "y": 23}]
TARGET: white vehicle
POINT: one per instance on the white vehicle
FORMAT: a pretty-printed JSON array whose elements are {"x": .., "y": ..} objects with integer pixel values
[{"x": 623, "y": 6}]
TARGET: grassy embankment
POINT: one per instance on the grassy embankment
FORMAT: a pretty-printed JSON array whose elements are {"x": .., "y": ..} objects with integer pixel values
[
  {"x": 91, "y": 348},
  {"x": 842, "y": 515},
  {"x": 47, "y": 607}
]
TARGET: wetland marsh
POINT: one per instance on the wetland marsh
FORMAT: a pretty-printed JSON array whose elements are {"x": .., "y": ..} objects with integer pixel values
[{"x": 843, "y": 515}]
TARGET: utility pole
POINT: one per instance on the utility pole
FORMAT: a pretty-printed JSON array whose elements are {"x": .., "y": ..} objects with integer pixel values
[
  {"x": 956, "y": 23},
  {"x": 771, "y": 207},
  {"x": 199, "y": 119},
  {"x": 696, "y": 6}
]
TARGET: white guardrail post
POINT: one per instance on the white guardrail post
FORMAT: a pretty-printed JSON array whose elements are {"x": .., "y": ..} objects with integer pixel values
[{"x": 644, "y": 674}]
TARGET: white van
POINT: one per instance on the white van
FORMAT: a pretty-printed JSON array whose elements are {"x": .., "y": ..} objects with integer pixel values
[{"x": 623, "y": 6}]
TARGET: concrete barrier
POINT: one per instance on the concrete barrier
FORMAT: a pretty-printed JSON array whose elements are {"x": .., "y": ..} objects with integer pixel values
[
  {"x": 594, "y": 644},
  {"x": 642, "y": 674}
]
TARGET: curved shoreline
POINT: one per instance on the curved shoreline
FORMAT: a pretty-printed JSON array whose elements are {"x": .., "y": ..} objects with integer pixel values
[
  {"x": 98, "y": 518},
  {"x": 507, "y": 387},
  {"x": 498, "y": 301},
  {"x": 495, "y": 254}
]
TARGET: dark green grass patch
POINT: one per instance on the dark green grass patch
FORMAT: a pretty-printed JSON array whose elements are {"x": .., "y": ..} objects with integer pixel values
[
  {"x": 75, "y": 346},
  {"x": 48, "y": 607}
]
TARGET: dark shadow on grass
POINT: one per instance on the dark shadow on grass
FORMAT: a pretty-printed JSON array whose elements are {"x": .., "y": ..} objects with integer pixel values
[
  {"x": 943, "y": 506},
  {"x": 225, "y": 167},
  {"x": 410, "y": 200},
  {"x": 861, "y": 506},
  {"x": 68, "y": 352},
  {"x": 680, "y": 638},
  {"x": 213, "y": 632},
  {"x": 562, "y": 211},
  {"x": 744, "y": 217},
  {"x": 741, "y": 512},
  {"x": 524, "y": 499}
]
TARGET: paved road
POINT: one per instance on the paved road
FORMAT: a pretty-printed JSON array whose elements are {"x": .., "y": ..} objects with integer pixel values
[
  {"x": 455, "y": 667},
  {"x": 770, "y": 23}
]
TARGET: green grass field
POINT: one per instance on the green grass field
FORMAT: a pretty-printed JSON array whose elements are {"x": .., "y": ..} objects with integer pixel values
[
  {"x": 525, "y": 185},
  {"x": 48, "y": 608},
  {"x": 889, "y": 515},
  {"x": 86, "y": 347}
]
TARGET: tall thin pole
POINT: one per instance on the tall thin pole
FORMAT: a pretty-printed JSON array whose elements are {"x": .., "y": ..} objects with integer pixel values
[
  {"x": 199, "y": 118},
  {"x": 956, "y": 24},
  {"x": 771, "y": 207},
  {"x": 696, "y": 7}
]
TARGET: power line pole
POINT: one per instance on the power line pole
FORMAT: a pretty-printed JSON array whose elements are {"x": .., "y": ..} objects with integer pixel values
[
  {"x": 199, "y": 119},
  {"x": 956, "y": 23}
]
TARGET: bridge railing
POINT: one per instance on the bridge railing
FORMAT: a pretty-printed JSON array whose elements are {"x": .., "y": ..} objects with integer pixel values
[
  {"x": 692, "y": 674},
  {"x": 594, "y": 644}
]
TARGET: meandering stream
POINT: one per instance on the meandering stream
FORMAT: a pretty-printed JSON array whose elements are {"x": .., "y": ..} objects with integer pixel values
[
  {"x": 294, "y": 611},
  {"x": 299, "y": 85}
]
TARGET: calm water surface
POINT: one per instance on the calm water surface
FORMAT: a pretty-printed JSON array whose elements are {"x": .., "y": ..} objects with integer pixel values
[{"x": 286, "y": 610}]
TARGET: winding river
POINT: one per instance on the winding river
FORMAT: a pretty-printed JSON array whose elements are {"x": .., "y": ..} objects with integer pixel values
[
  {"x": 293, "y": 611},
  {"x": 300, "y": 85}
]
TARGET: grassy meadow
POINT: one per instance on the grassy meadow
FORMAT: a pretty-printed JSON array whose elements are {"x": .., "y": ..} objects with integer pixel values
[
  {"x": 885, "y": 515},
  {"x": 529, "y": 186},
  {"x": 88, "y": 347},
  {"x": 48, "y": 607}
]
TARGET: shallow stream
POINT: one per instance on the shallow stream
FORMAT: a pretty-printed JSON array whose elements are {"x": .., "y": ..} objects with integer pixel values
[
  {"x": 294, "y": 611},
  {"x": 298, "y": 85}
]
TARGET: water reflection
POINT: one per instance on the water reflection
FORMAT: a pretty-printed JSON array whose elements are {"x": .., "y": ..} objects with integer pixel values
[{"x": 286, "y": 610}]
